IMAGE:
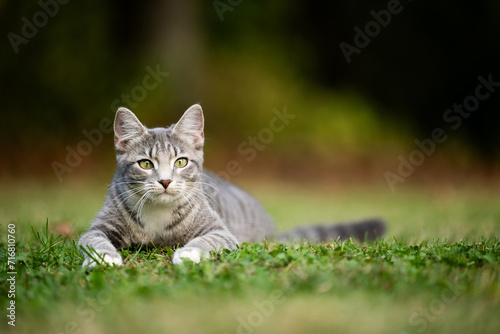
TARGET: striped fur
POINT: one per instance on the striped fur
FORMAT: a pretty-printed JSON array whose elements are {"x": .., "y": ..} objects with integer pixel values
[{"x": 196, "y": 211}]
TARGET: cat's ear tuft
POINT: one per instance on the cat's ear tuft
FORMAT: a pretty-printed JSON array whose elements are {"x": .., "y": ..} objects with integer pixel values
[
  {"x": 128, "y": 128},
  {"x": 190, "y": 126}
]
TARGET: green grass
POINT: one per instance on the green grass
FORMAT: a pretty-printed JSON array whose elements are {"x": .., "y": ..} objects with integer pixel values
[{"x": 437, "y": 271}]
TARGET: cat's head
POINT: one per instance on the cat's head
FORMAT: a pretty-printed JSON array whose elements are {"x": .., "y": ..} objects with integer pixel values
[{"x": 160, "y": 164}]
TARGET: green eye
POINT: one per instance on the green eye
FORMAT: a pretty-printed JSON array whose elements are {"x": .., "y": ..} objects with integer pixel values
[
  {"x": 146, "y": 164},
  {"x": 181, "y": 162}
]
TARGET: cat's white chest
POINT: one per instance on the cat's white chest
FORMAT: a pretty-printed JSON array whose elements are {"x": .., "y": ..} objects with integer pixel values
[{"x": 155, "y": 219}]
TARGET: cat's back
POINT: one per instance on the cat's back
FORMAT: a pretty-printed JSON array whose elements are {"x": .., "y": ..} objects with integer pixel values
[{"x": 245, "y": 217}]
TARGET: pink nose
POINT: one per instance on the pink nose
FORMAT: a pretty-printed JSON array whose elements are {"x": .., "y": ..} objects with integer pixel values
[{"x": 165, "y": 183}]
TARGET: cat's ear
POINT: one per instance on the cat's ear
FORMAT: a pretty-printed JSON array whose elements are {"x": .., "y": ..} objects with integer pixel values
[
  {"x": 127, "y": 129},
  {"x": 190, "y": 126}
]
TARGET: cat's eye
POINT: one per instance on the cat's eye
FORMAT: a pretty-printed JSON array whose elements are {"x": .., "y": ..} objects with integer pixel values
[
  {"x": 146, "y": 164},
  {"x": 181, "y": 162}
]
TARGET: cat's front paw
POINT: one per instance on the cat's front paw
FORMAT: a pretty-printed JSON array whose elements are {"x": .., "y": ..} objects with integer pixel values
[
  {"x": 195, "y": 254},
  {"x": 102, "y": 257}
]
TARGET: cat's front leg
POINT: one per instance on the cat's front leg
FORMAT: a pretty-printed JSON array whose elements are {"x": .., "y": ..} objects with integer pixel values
[
  {"x": 98, "y": 249},
  {"x": 199, "y": 248}
]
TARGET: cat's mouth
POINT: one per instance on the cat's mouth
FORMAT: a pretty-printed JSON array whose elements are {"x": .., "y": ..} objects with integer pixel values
[{"x": 167, "y": 195}]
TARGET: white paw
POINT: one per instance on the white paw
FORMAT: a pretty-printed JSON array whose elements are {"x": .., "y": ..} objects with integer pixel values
[
  {"x": 193, "y": 253},
  {"x": 103, "y": 257}
]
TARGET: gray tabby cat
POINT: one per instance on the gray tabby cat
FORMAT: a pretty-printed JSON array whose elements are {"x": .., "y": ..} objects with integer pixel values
[{"x": 161, "y": 196}]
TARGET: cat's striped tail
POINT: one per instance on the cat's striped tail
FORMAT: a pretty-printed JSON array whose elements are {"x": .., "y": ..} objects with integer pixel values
[{"x": 367, "y": 230}]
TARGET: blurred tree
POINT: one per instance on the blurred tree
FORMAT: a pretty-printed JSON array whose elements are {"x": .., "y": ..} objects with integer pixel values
[
  {"x": 426, "y": 59},
  {"x": 65, "y": 78}
]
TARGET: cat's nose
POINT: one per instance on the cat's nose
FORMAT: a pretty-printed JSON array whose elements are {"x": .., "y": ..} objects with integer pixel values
[{"x": 165, "y": 183}]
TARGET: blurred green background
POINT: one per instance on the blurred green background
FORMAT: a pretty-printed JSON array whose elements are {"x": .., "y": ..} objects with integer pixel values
[{"x": 67, "y": 66}]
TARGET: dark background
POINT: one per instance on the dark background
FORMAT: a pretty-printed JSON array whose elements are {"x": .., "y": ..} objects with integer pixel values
[{"x": 241, "y": 60}]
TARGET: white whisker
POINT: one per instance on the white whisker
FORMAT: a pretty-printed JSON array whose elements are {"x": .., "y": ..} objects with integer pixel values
[
  {"x": 204, "y": 195},
  {"x": 129, "y": 194}
]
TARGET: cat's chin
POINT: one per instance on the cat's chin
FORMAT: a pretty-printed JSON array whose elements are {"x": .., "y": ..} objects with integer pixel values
[{"x": 167, "y": 197}]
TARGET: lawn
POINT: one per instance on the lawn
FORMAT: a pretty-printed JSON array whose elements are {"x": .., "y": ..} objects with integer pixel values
[{"x": 436, "y": 271}]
